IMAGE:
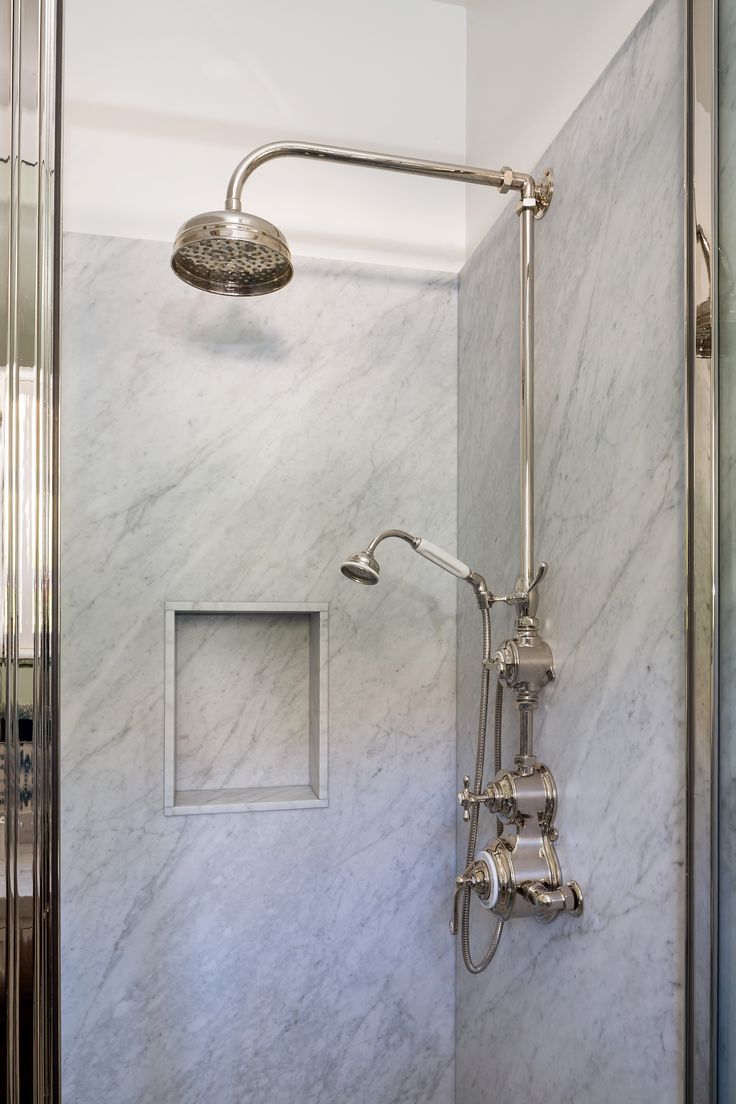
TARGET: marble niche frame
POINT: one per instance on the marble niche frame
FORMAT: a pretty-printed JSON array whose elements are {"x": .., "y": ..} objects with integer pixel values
[{"x": 256, "y": 798}]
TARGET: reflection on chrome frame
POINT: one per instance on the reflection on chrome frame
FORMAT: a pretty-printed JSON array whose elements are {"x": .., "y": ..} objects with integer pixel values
[{"x": 29, "y": 232}]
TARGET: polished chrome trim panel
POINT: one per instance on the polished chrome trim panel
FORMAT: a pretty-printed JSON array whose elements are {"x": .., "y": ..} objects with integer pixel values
[
  {"x": 702, "y": 568},
  {"x": 30, "y": 243}
]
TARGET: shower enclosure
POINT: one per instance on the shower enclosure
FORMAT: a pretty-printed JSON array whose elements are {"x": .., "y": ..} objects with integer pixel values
[{"x": 228, "y": 927}]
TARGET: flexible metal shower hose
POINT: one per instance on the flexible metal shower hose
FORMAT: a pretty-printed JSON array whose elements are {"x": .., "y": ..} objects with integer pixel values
[{"x": 479, "y": 967}]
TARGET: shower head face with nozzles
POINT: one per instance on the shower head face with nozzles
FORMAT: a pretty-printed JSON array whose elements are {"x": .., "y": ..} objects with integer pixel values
[
  {"x": 232, "y": 253},
  {"x": 362, "y": 568}
]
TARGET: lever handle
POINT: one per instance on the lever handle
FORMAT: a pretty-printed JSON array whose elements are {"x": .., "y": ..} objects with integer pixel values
[
  {"x": 520, "y": 597},
  {"x": 464, "y": 796},
  {"x": 460, "y": 883},
  {"x": 476, "y": 878},
  {"x": 541, "y": 572},
  {"x": 467, "y": 799}
]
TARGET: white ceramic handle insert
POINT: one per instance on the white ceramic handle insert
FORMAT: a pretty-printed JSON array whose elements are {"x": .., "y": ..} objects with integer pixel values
[
  {"x": 442, "y": 559},
  {"x": 490, "y": 865}
]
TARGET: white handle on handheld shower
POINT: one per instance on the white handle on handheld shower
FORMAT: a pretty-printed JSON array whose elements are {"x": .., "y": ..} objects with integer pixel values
[{"x": 442, "y": 559}]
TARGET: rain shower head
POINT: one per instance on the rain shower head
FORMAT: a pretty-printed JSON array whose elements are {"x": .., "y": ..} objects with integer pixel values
[{"x": 231, "y": 253}]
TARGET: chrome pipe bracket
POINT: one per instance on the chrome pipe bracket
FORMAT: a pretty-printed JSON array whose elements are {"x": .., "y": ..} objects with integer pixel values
[
  {"x": 543, "y": 191},
  {"x": 542, "y": 198}
]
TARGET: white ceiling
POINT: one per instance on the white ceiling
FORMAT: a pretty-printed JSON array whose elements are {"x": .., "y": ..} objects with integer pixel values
[
  {"x": 163, "y": 98},
  {"x": 528, "y": 67}
]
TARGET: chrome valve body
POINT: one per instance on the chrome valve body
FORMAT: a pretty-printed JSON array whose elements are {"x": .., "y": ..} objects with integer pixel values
[
  {"x": 518, "y": 874},
  {"x": 522, "y": 862},
  {"x": 525, "y": 662}
]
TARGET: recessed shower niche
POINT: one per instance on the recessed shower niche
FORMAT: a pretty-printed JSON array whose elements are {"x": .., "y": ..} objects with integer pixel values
[{"x": 245, "y": 707}]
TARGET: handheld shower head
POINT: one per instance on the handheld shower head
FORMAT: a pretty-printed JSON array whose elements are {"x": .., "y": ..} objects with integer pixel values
[
  {"x": 363, "y": 567},
  {"x": 231, "y": 253}
]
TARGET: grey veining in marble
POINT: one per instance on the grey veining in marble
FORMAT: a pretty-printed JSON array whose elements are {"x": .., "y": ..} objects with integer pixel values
[
  {"x": 242, "y": 700},
  {"x": 283, "y": 957},
  {"x": 591, "y": 1011}
]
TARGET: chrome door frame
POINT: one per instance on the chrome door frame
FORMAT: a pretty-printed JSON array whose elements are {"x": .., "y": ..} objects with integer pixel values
[
  {"x": 701, "y": 286},
  {"x": 30, "y": 248}
]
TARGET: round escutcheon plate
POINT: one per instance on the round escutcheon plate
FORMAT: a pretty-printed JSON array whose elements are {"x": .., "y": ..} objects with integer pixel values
[{"x": 544, "y": 191}]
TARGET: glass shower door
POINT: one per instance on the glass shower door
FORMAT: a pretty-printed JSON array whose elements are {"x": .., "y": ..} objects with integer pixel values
[{"x": 725, "y": 330}]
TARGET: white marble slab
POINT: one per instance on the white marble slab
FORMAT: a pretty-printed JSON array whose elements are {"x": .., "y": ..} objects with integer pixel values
[
  {"x": 242, "y": 700},
  {"x": 591, "y": 1011},
  {"x": 239, "y": 450}
]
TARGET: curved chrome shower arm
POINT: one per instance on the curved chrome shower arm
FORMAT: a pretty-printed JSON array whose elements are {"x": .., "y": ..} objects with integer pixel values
[
  {"x": 401, "y": 534},
  {"x": 504, "y": 179}
]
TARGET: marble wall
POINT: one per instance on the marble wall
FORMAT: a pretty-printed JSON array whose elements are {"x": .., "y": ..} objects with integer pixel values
[
  {"x": 234, "y": 451},
  {"x": 590, "y": 1011},
  {"x": 227, "y": 450}
]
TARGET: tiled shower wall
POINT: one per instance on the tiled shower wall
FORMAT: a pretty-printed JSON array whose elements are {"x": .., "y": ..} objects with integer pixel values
[
  {"x": 591, "y": 1010},
  {"x": 236, "y": 451}
]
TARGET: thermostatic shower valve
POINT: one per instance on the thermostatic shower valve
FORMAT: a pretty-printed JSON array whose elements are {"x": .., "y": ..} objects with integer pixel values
[{"x": 518, "y": 874}]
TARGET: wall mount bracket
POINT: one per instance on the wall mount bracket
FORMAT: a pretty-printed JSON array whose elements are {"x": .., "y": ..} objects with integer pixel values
[{"x": 543, "y": 191}]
